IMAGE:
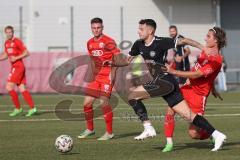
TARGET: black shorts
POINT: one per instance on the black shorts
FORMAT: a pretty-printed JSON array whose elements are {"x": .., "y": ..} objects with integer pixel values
[{"x": 165, "y": 85}]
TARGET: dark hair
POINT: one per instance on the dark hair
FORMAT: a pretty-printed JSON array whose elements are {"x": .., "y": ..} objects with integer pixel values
[
  {"x": 220, "y": 36},
  {"x": 173, "y": 27},
  {"x": 96, "y": 20},
  {"x": 9, "y": 27},
  {"x": 149, "y": 22}
]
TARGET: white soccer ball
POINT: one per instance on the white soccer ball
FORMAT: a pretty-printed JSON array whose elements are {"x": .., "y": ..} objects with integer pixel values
[{"x": 64, "y": 143}]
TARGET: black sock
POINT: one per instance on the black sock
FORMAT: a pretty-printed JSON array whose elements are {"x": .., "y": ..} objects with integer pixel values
[
  {"x": 139, "y": 109},
  {"x": 201, "y": 122}
]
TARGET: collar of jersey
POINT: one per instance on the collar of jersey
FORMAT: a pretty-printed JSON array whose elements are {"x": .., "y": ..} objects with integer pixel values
[
  {"x": 98, "y": 39},
  {"x": 11, "y": 39},
  {"x": 150, "y": 42}
]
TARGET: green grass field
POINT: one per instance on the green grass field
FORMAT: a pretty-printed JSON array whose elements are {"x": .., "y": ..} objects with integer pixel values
[{"x": 33, "y": 138}]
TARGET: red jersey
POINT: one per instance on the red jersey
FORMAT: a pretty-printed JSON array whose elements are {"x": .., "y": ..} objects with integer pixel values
[
  {"x": 15, "y": 47},
  {"x": 102, "y": 50},
  {"x": 210, "y": 66}
]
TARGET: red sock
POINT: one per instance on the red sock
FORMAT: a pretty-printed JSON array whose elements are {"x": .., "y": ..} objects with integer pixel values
[
  {"x": 169, "y": 124},
  {"x": 28, "y": 98},
  {"x": 15, "y": 99},
  {"x": 108, "y": 116},
  {"x": 89, "y": 116},
  {"x": 203, "y": 134}
]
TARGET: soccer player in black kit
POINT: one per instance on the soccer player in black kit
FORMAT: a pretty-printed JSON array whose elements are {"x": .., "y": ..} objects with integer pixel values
[{"x": 153, "y": 50}]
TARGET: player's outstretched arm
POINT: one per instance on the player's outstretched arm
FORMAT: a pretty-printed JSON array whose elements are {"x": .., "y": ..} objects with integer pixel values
[
  {"x": 3, "y": 56},
  {"x": 187, "y": 41},
  {"x": 120, "y": 60},
  {"x": 185, "y": 74}
]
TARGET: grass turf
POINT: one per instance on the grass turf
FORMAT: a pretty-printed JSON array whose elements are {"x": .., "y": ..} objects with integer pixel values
[{"x": 34, "y": 137}]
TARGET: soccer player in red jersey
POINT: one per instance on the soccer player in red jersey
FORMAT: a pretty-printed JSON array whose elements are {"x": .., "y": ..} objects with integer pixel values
[
  {"x": 200, "y": 83},
  {"x": 16, "y": 51},
  {"x": 101, "y": 49}
]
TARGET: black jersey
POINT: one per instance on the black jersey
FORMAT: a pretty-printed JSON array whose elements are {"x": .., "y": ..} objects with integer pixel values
[
  {"x": 162, "y": 84},
  {"x": 155, "y": 53}
]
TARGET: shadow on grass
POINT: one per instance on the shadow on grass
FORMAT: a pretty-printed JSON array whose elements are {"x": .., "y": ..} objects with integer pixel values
[
  {"x": 69, "y": 153},
  {"x": 133, "y": 134},
  {"x": 199, "y": 145},
  {"x": 126, "y": 135},
  {"x": 39, "y": 113}
]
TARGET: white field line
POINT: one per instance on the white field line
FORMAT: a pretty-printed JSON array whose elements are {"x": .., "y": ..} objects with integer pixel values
[
  {"x": 147, "y": 104},
  {"x": 117, "y": 108},
  {"x": 117, "y": 118}
]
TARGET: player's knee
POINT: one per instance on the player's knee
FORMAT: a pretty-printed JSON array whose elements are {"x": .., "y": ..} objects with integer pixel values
[
  {"x": 87, "y": 104},
  {"x": 9, "y": 87},
  {"x": 22, "y": 89},
  {"x": 170, "y": 112},
  {"x": 130, "y": 97},
  {"x": 88, "y": 101},
  {"x": 104, "y": 103},
  {"x": 193, "y": 134}
]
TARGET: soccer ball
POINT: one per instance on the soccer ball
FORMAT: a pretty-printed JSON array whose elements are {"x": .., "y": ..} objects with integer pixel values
[{"x": 64, "y": 143}]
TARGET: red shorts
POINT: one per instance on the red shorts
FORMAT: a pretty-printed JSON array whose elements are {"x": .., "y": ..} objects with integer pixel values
[
  {"x": 97, "y": 89},
  {"x": 196, "y": 102},
  {"x": 17, "y": 75}
]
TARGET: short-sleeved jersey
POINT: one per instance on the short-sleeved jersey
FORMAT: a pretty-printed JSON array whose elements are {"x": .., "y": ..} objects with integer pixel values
[
  {"x": 102, "y": 50},
  {"x": 210, "y": 66},
  {"x": 15, "y": 47},
  {"x": 155, "y": 52}
]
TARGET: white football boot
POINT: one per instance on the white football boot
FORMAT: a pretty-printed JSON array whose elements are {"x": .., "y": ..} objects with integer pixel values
[
  {"x": 148, "y": 132},
  {"x": 219, "y": 138}
]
